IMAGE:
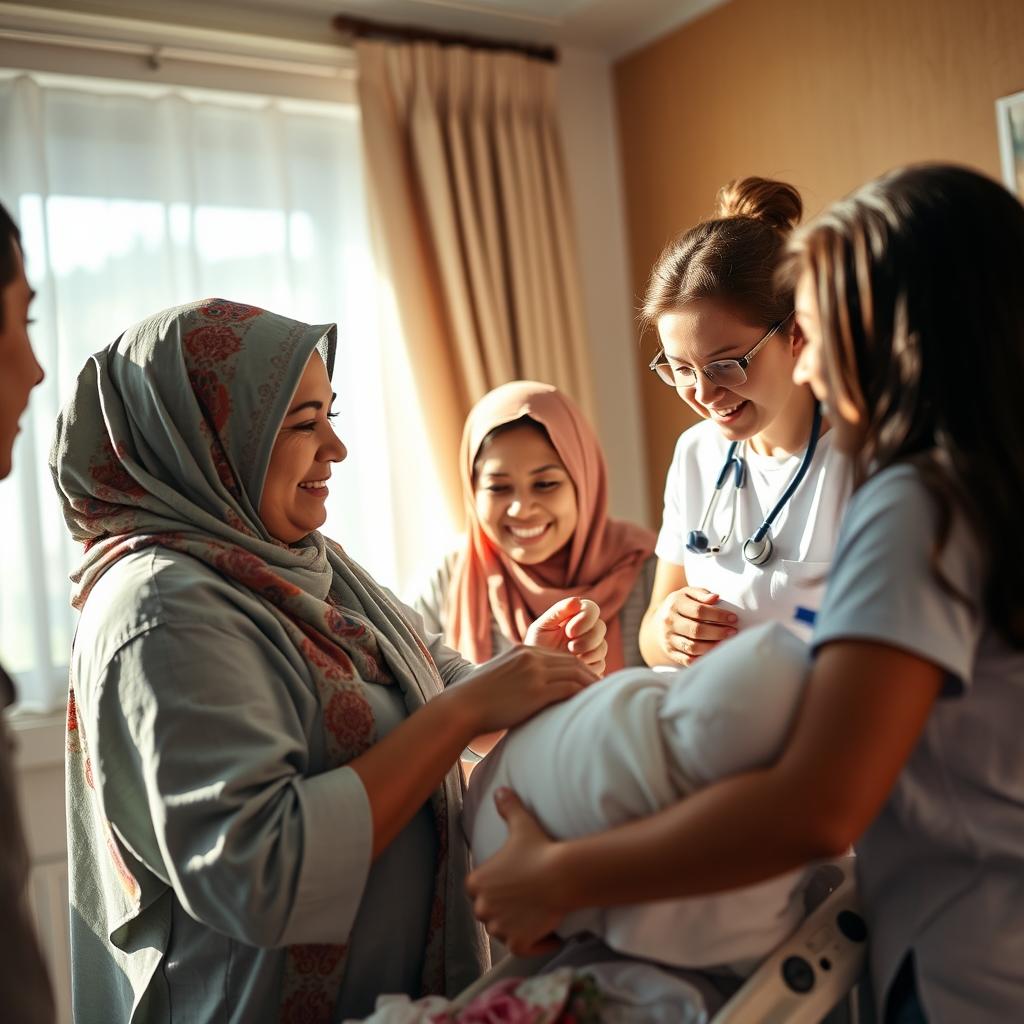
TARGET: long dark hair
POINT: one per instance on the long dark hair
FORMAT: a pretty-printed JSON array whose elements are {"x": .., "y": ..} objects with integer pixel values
[
  {"x": 9, "y": 238},
  {"x": 919, "y": 287}
]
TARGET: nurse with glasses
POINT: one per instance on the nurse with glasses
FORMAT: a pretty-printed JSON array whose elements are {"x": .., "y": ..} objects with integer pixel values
[{"x": 755, "y": 490}]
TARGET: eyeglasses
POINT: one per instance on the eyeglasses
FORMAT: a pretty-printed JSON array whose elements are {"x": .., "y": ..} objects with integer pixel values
[{"x": 726, "y": 373}]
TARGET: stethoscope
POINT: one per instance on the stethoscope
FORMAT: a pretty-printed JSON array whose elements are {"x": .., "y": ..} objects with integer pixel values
[{"x": 757, "y": 549}]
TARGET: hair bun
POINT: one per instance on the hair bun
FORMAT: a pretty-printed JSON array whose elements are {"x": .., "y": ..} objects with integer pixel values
[{"x": 773, "y": 202}]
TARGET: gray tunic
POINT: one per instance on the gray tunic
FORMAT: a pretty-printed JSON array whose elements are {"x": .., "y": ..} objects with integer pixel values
[
  {"x": 942, "y": 867},
  {"x": 207, "y": 751},
  {"x": 432, "y": 604}
]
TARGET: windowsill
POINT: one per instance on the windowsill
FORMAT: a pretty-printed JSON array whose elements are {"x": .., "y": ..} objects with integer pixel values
[{"x": 38, "y": 738}]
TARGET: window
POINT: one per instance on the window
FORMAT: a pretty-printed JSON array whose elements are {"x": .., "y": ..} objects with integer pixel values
[{"x": 134, "y": 198}]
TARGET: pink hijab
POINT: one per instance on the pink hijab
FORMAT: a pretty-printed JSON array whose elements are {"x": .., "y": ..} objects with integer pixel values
[{"x": 601, "y": 561}]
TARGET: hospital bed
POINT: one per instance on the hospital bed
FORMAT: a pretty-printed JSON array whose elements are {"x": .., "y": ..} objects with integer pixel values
[{"x": 815, "y": 976}]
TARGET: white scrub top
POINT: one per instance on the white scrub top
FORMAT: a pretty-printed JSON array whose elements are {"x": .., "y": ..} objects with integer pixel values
[
  {"x": 941, "y": 868},
  {"x": 789, "y": 587}
]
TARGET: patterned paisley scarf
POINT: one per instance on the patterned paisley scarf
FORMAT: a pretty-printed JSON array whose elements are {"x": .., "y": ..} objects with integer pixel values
[{"x": 166, "y": 441}]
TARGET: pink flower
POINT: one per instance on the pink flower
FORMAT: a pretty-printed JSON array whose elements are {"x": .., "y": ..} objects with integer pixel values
[
  {"x": 500, "y": 1005},
  {"x": 219, "y": 309},
  {"x": 213, "y": 342},
  {"x": 212, "y": 396},
  {"x": 349, "y": 719}
]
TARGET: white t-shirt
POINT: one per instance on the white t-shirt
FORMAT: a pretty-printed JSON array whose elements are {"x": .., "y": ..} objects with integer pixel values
[
  {"x": 941, "y": 869},
  {"x": 789, "y": 587}
]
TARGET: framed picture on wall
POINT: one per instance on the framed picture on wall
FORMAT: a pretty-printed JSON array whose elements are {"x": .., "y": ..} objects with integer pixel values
[{"x": 1010, "y": 117}]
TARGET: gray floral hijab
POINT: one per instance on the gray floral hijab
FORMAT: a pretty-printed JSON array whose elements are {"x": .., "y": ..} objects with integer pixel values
[{"x": 166, "y": 441}]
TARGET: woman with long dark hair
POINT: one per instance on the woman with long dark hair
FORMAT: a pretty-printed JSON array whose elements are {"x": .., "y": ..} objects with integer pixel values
[{"x": 908, "y": 739}]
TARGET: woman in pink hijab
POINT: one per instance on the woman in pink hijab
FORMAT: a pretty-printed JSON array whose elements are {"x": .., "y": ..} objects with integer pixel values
[{"x": 538, "y": 534}]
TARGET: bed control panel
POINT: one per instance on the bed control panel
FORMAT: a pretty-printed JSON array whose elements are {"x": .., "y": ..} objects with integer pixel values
[{"x": 812, "y": 971}]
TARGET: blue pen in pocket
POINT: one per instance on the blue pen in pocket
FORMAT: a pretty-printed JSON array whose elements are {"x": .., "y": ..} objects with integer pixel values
[{"x": 808, "y": 616}]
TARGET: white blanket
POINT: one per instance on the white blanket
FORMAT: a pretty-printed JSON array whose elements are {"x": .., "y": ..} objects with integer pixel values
[{"x": 631, "y": 745}]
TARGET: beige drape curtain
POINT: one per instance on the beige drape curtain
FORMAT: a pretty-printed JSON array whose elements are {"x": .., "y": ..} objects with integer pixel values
[{"x": 472, "y": 221}]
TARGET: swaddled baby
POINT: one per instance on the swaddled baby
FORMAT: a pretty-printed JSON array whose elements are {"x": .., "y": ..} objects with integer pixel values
[{"x": 635, "y": 743}]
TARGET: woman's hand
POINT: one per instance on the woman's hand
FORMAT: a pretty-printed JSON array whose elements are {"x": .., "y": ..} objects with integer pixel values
[
  {"x": 517, "y": 684},
  {"x": 515, "y": 892},
  {"x": 687, "y": 624},
  {"x": 572, "y": 625}
]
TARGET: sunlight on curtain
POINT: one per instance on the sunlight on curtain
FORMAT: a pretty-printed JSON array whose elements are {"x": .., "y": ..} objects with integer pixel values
[{"x": 131, "y": 200}]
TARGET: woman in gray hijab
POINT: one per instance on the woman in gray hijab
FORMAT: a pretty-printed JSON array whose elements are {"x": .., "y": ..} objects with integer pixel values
[{"x": 262, "y": 771}]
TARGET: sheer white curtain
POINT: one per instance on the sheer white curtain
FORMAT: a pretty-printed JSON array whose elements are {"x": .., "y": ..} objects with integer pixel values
[{"x": 134, "y": 198}]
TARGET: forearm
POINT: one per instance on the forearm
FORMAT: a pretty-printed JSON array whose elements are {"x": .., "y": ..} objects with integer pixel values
[
  {"x": 862, "y": 714},
  {"x": 401, "y": 771},
  {"x": 650, "y": 648},
  {"x": 853, "y": 734},
  {"x": 738, "y": 832}
]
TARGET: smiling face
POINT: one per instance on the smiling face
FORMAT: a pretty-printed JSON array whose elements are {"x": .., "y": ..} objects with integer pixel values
[
  {"x": 293, "y": 503},
  {"x": 525, "y": 499},
  {"x": 21, "y": 373},
  {"x": 705, "y": 330},
  {"x": 811, "y": 369}
]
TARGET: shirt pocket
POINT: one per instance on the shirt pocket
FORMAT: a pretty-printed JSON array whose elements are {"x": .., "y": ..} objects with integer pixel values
[{"x": 796, "y": 591}]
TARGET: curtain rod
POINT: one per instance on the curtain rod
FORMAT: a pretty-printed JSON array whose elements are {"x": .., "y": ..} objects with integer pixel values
[
  {"x": 154, "y": 54},
  {"x": 156, "y": 42},
  {"x": 362, "y": 28}
]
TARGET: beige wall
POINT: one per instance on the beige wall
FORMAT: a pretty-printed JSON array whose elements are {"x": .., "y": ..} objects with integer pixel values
[
  {"x": 821, "y": 93},
  {"x": 587, "y": 106}
]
